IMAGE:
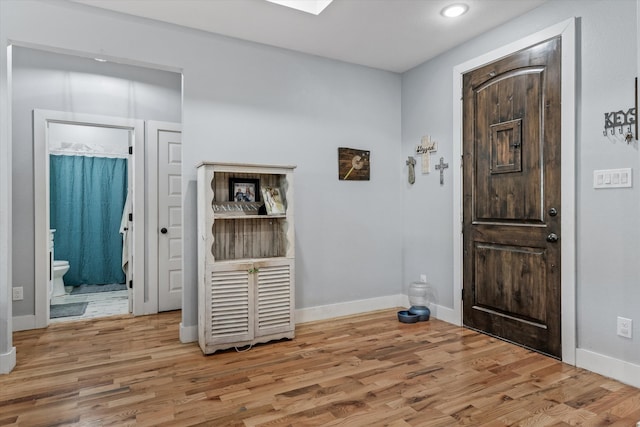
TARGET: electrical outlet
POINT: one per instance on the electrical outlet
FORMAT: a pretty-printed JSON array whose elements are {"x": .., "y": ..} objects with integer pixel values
[
  {"x": 423, "y": 278},
  {"x": 625, "y": 327},
  {"x": 18, "y": 293}
]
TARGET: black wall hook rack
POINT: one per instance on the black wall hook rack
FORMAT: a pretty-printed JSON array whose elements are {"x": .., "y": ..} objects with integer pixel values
[{"x": 625, "y": 122}]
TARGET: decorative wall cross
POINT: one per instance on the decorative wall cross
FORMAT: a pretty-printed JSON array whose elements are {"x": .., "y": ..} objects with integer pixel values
[
  {"x": 441, "y": 167},
  {"x": 425, "y": 148},
  {"x": 411, "y": 162}
]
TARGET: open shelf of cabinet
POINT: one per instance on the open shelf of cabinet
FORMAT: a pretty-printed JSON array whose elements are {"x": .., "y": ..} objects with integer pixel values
[{"x": 246, "y": 261}]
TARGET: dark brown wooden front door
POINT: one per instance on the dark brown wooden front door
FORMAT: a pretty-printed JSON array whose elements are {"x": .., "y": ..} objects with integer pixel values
[{"x": 511, "y": 189}]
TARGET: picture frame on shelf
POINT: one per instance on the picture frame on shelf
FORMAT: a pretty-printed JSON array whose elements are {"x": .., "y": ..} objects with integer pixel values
[
  {"x": 244, "y": 190},
  {"x": 273, "y": 200}
]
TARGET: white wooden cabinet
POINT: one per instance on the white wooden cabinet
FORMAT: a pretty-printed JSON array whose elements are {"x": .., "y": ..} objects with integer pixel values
[{"x": 246, "y": 259}]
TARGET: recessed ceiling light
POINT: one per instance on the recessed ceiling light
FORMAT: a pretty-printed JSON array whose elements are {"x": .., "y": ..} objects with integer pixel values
[
  {"x": 100, "y": 59},
  {"x": 454, "y": 10},
  {"x": 310, "y": 6}
]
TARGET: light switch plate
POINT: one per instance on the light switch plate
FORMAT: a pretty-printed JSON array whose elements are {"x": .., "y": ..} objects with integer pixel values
[{"x": 612, "y": 178}]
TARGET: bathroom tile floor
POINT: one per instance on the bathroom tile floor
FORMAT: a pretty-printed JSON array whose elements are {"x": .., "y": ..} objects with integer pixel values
[{"x": 101, "y": 304}]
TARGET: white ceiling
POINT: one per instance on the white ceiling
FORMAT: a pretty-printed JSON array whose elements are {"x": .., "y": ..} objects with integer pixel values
[{"x": 393, "y": 35}]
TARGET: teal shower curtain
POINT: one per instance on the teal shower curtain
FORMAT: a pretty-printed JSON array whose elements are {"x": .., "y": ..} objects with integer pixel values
[{"x": 87, "y": 196}]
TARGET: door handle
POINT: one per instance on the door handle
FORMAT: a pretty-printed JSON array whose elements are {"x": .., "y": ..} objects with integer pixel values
[
  {"x": 163, "y": 230},
  {"x": 553, "y": 237}
]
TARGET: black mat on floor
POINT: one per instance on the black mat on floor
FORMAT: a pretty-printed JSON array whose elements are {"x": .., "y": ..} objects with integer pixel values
[
  {"x": 67, "y": 310},
  {"x": 90, "y": 289}
]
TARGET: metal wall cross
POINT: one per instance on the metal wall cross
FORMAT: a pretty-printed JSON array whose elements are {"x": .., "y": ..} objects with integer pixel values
[
  {"x": 411, "y": 162},
  {"x": 441, "y": 167}
]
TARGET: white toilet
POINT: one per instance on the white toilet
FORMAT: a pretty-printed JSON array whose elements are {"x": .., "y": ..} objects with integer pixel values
[{"x": 60, "y": 268}]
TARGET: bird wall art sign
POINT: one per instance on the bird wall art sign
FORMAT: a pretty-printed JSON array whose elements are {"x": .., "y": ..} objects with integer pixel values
[{"x": 353, "y": 164}]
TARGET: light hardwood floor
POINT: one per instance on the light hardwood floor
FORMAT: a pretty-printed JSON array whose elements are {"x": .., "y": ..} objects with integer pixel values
[{"x": 366, "y": 370}]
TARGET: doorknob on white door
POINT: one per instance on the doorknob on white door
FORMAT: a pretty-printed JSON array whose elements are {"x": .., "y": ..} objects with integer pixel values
[{"x": 163, "y": 230}]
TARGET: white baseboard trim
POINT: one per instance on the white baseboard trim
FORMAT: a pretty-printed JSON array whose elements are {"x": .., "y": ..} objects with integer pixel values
[
  {"x": 8, "y": 361},
  {"x": 24, "y": 323},
  {"x": 322, "y": 312},
  {"x": 303, "y": 315},
  {"x": 349, "y": 308},
  {"x": 188, "y": 333},
  {"x": 446, "y": 314},
  {"x": 617, "y": 369}
]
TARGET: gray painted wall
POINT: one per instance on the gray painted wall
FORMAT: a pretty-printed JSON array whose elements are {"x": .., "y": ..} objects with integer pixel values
[
  {"x": 51, "y": 81},
  {"x": 608, "y": 221},
  {"x": 259, "y": 104},
  {"x": 244, "y": 102}
]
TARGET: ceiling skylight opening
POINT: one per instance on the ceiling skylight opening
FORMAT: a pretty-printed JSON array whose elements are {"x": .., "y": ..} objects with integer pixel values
[
  {"x": 454, "y": 10},
  {"x": 314, "y": 7}
]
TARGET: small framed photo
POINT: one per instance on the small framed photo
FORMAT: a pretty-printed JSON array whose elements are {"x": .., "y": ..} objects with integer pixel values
[
  {"x": 244, "y": 190},
  {"x": 273, "y": 201}
]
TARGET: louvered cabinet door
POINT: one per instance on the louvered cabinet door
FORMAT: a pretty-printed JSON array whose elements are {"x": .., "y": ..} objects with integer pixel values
[
  {"x": 230, "y": 304},
  {"x": 274, "y": 297}
]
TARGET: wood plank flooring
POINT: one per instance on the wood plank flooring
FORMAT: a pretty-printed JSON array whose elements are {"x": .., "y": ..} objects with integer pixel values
[{"x": 366, "y": 370}]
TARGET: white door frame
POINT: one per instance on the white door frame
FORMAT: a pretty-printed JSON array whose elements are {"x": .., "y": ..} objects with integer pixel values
[
  {"x": 152, "y": 128},
  {"x": 566, "y": 30},
  {"x": 41, "y": 120}
]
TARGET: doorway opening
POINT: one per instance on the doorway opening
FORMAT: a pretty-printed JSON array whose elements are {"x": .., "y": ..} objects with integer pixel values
[
  {"x": 48, "y": 127},
  {"x": 88, "y": 214},
  {"x": 49, "y": 87}
]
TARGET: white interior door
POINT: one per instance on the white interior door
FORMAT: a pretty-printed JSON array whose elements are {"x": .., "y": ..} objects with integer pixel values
[{"x": 169, "y": 262}]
